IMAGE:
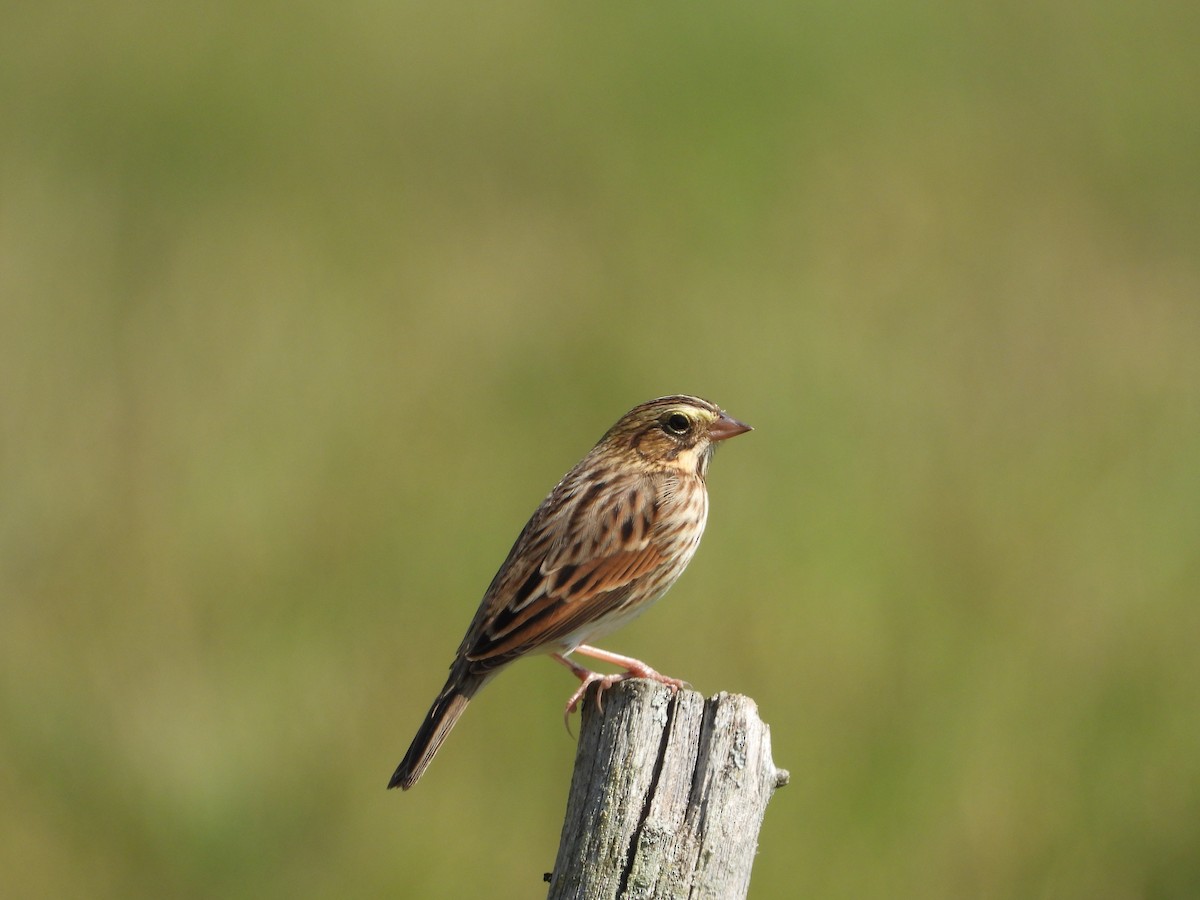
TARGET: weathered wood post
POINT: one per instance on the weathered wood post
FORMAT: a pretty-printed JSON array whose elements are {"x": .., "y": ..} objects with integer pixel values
[{"x": 667, "y": 797}]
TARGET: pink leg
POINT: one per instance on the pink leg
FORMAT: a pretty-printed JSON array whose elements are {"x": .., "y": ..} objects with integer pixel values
[
  {"x": 586, "y": 677},
  {"x": 633, "y": 669}
]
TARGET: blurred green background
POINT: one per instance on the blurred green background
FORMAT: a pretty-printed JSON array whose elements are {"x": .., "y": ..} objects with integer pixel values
[{"x": 304, "y": 307}]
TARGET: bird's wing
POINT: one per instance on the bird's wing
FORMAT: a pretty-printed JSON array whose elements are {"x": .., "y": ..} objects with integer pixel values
[{"x": 576, "y": 561}]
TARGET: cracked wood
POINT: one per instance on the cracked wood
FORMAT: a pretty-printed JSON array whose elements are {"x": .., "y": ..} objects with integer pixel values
[{"x": 667, "y": 797}]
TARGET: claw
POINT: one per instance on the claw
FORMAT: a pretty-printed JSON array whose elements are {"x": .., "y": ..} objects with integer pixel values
[
  {"x": 585, "y": 682},
  {"x": 633, "y": 669}
]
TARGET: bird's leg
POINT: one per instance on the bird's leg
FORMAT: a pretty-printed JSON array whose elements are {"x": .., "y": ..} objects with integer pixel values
[
  {"x": 586, "y": 678},
  {"x": 634, "y": 668}
]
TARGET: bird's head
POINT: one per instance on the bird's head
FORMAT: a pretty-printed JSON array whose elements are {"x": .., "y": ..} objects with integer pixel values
[{"x": 677, "y": 432}]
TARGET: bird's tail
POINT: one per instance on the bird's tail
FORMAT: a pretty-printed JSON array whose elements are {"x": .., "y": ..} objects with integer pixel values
[{"x": 450, "y": 704}]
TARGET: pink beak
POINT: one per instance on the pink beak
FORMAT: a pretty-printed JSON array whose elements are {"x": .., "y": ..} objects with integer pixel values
[{"x": 726, "y": 427}]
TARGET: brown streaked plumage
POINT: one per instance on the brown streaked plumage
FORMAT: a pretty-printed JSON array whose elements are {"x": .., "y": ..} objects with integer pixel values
[{"x": 609, "y": 540}]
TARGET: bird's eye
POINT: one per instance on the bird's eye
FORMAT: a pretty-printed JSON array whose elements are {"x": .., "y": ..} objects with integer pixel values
[{"x": 678, "y": 423}]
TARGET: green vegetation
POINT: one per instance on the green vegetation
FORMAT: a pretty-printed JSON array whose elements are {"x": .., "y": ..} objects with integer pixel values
[{"x": 303, "y": 308}]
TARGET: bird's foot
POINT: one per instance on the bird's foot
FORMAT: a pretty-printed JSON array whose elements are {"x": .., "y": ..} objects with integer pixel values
[{"x": 634, "y": 668}]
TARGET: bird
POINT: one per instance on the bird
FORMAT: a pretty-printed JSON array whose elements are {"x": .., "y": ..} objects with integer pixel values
[{"x": 607, "y": 542}]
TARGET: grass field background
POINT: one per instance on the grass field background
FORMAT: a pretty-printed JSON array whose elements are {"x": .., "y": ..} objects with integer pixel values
[{"x": 304, "y": 307}]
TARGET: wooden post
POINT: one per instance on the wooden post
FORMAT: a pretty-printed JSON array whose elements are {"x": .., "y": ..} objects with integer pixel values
[{"x": 667, "y": 796}]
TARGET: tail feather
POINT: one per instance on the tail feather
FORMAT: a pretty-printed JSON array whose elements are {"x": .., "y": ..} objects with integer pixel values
[{"x": 450, "y": 704}]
